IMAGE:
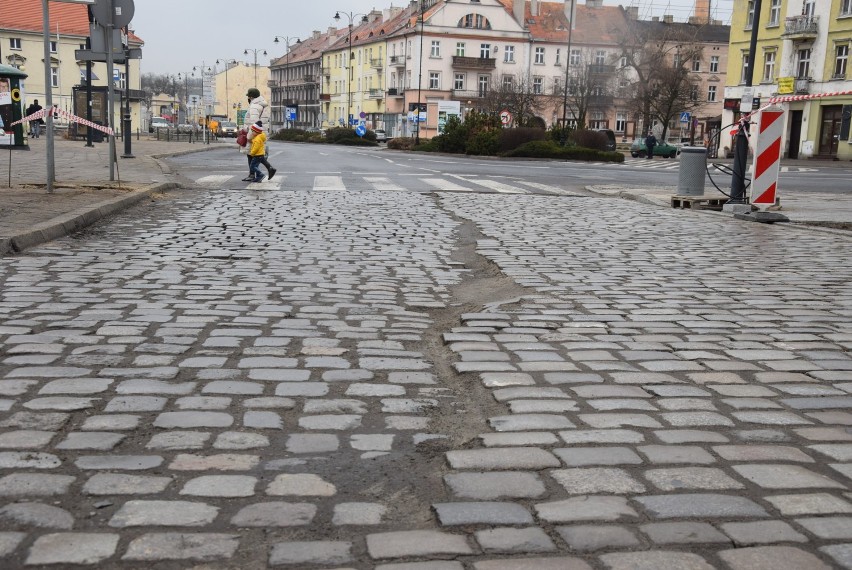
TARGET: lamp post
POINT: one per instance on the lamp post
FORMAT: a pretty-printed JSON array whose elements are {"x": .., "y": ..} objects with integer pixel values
[
  {"x": 185, "y": 92},
  {"x": 255, "y": 51},
  {"x": 202, "y": 70},
  {"x": 286, "y": 97},
  {"x": 227, "y": 62},
  {"x": 419, "y": 74},
  {"x": 563, "y": 137},
  {"x": 351, "y": 16}
]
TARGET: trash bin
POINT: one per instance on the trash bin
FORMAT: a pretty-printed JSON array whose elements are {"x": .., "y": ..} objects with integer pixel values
[{"x": 693, "y": 165}]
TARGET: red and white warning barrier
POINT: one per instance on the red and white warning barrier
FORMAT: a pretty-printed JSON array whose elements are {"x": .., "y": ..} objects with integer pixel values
[
  {"x": 66, "y": 115},
  {"x": 767, "y": 161},
  {"x": 791, "y": 98}
]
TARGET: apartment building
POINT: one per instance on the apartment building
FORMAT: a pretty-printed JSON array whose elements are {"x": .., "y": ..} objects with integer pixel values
[
  {"x": 800, "y": 61},
  {"x": 22, "y": 47}
]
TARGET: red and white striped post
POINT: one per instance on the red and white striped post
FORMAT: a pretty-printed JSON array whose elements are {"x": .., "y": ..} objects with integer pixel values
[{"x": 767, "y": 161}]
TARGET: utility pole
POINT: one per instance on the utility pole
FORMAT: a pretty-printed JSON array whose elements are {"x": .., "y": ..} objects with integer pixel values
[
  {"x": 48, "y": 98},
  {"x": 246, "y": 52},
  {"x": 204, "y": 69},
  {"x": 419, "y": 75},
  {"x": 351, "y": 16},
  {"x": 563, "y": 137},
  {"x": 741, "y": 147},
  {"x": 286, "y": 97}
]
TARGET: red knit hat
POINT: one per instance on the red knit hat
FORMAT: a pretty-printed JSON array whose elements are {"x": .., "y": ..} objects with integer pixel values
[{"x": 257, "y": 127}]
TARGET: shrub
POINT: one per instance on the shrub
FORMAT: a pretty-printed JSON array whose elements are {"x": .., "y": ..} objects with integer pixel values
[
  {"x": 513, "y": 138},
  {"x": 559, "y": 134},
  {"x": 357, "y": 141},
  {"x": 550, "y": 149},
  {"x": 289, "y": 135},
  {"x": 455, "y": 136},
  {"x": 430, "y": 145},
  {"x": 484, "y": 143},
  {"x": 401, "y": 143},
  {"x": 339, "y": 133},
  {"x": 589, "y": 139}
]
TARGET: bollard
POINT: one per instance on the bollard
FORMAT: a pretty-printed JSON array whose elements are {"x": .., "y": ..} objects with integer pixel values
[{"x": 693, "y": 165}]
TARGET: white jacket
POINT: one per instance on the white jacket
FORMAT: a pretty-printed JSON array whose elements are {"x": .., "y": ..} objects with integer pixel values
[{"x": 258, "y": 110}]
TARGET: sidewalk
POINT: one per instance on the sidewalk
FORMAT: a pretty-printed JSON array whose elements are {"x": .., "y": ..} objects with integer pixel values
[{"x": 83, "y": 193}]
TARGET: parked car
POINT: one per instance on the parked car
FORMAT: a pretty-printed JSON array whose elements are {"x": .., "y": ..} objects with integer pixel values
[
  {"x": 227, "y": 129},
  {"x": 158, "y": 123},
  {"x": 381, "y": 136},
  {"x": 610, "y": 138},
  {"x": 664, "y": 149}
]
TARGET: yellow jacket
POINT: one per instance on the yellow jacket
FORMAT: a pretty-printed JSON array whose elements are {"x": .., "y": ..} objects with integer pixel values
[{"x": 258, "y": 145}]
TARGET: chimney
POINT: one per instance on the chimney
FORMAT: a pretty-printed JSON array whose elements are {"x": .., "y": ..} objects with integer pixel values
[
  {"x": 701, "y": 12},
  {"x": 316, "y": 34},
  {"x": 519, "y": 11},
  {"x": 331, "y": 32},
  {"x": 668, "y": 19},
  {"x": 534, "y": 8},
  {"x": 374, "y": 16},
  {"x": 633, "y": 12},
  {"x": 569, "y": 15},
  {"x": 594, "y": 3}
]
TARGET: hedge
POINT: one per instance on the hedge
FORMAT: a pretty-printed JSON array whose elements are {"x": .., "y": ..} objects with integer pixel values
[{"x": 549, "y": 149}]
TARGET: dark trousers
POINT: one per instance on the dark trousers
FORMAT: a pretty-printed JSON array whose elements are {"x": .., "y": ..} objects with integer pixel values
[
  {"x": 262, "y": 161},
  {"x": 651, "y": 151}
]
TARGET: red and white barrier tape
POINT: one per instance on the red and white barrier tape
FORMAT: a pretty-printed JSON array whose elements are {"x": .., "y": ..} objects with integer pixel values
[
  {"x": 792, "y": 98},
  {"x": 66, "y": 115}
]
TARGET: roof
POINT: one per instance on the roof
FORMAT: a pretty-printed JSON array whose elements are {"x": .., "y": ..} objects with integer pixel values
[
  {"x": 601, "y": 25},
  {"x": 310, "y": 48},
  {"x": 710, "y": 33},
  {"x": 379, "y": 28},
  {"x": 27, "y": 16}
]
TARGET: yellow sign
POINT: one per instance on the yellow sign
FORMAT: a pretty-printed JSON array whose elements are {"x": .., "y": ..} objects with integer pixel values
[{"x": 786, "y": 85}]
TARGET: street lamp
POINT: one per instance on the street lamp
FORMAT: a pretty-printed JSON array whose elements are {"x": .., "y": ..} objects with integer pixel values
[
  {"x": 227, "y": 63},
  {"x": 255, "y": 51},
  {"x": 286, "y": 97},
  {"x": 419, "y": 74},
  {"x": 185, "y": 90},
  {"x": 351, "y": 16},
  {"x": 563, "y": 137}
]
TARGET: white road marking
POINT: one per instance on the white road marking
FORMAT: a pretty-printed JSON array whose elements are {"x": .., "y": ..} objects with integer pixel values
[
  {"x": 445, "y": 185},
  {"x": 328, "y": 183},
  {"x": 383, "y": 184},
  {"x": 214, "y": 179},
  {"x": 545, "y": 187},
  {"x": 498, "y": 186},
  {"x": 268, "y": 184}
]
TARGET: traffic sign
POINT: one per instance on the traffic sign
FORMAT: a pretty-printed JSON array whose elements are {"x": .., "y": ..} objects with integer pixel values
[
  {"x": 360, "y": 130},
  {"x": 122, "y": 12},
  {"x": 505, "y": 117},
  {"x": 684, "y": 117}
]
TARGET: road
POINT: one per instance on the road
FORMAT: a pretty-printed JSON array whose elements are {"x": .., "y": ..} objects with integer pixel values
[{"x": 383, "y": 361}]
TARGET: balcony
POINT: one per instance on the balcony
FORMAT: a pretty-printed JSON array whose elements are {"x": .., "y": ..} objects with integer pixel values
[
  {"x": 600, "y": 101},
  {"x": 469, "y": 94},
  {"x": 801, "y": 27},
  {"x": 396, "y": 92},
  {"x": 325, "y": 96},
  {"x": 310, "y": 79},
  {"x": 803, "y": 85},
  {"x": 378, "y": 63},
  {"x": 397, "y": 61},
  {"x": 487, "y": 63},
  {"x": 376, "y": 94},
  {"x": 597, "y": 69}
]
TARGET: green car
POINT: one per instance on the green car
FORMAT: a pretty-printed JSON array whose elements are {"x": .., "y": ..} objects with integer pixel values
[{"x": 665, "y": 150}]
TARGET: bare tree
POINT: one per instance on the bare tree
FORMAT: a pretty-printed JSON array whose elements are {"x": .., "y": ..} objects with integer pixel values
[
  {"x": 521, "y": 97},
  {"x": 657, "y": 56},
  {"x": 589, "y": 88}
]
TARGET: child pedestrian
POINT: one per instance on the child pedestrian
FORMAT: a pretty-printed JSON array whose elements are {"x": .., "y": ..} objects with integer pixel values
[{"x": 257, "y": 151}]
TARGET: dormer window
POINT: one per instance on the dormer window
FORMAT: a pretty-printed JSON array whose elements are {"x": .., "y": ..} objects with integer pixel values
[{"x": 475, "y": 21}]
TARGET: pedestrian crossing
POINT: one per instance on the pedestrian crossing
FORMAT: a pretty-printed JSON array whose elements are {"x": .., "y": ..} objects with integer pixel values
[{"x": 425, "y": 182}]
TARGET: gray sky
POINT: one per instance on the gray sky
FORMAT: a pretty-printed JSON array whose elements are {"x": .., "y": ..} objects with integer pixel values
[{"x": 180, "y": 34}]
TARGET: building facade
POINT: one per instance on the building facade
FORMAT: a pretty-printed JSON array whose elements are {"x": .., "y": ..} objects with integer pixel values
[
  {"x": 22, "y": 47},
  {"x": 801, "y": 62}
]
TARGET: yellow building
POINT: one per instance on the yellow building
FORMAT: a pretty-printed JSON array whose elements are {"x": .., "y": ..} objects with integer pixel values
[
  {"x": 801, "y": 62},
  {"x": 230, "y": 84}
]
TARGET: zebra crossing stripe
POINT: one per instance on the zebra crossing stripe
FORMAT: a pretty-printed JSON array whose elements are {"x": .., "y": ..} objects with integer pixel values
[
  {"x": 267, "y": 184},
  {"x": 214, "y": 180},
  {"x": 545, "y": 187},
  {"x": 498, "y": 186},
  {"x": 444, "y": 184},
  {"x": 383, "y": 184},
  {"x": 324, "y": 183}
]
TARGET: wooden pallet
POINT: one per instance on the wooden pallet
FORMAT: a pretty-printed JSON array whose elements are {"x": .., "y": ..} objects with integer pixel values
[{"x": 698, "y": 203}]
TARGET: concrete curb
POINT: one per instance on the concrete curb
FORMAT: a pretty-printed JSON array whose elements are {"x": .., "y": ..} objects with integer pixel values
[{"x": 78, "y": 219}]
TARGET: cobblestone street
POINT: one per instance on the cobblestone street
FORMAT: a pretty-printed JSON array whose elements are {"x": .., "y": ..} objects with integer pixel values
[{"x": 414, "y": 381}]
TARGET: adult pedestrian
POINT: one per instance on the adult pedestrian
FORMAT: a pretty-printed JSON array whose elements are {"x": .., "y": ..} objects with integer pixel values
[
  {"x": 650, "y": 143},
  {"x": 35, "y": 125},
  {"x": 259, "y": 112}
]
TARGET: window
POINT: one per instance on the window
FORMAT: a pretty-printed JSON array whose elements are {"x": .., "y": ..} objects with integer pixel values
[
  {"x": 539, "y": 56},
  {"x": 460, "y": 49},
  {"x": 122, "y": 81},
  {"x": 53, "y": 47},
  {"x": 803, "y": 63},
  {"x": 622, "y": 62},
  {"x": 711, "y": 93},
  {"x": 538, "y": 85},
  {"x": 458, "y": 82},
  {"x": 476, "y": 21},
  {"x": 678, "y": 61},
  {"x": 485, "y": 51},
  {"x": 693, "y": 93},
  {"x": 774, "y": 13},
  {"x": 696, "y": 64},
  {"x": 54, "y": 77},
  {"x": 434, "y": 80},
  {"x": 509, "y": 54},
  {"x": 508, "y": 82},
  {"x": 809, "y": 9},
  {"x": 846, "y": 8},
  {"x": 436, "y": 49},
  {"x": 744, "y": 74},
  {"x": 768, "y": 66},
  {"x": 714, "y": 64},
  {"x": 620, "y": 122},
  {"x": 557, "y": 85},
  {"x": 14, "y": 43},
  {"x": 558, "y": 55},
  {"x": 600, "y": 57},
  {"x": 841, "y": 55},
  {"x": 597, "y": 120},
  {"x": 574, "y": 58},
  {"x": 484, "y": 80},
  {"x": 750, "y": 15}
]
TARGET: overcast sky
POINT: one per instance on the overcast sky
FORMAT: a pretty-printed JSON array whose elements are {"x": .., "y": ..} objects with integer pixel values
[{"x": 180, "y": 34}]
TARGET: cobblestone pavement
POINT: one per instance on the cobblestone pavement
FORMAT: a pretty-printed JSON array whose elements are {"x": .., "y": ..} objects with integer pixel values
[{"x": 337, "y": 380}]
